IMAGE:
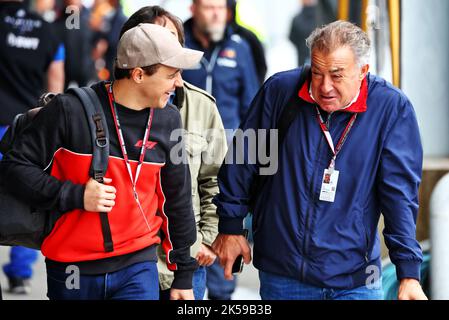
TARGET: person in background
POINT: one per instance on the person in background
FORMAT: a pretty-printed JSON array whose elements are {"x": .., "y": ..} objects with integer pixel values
[
  {"x": 31, "y": 62},
  {"x": 313, "y": 14},
  {"x": 256, "y": 46},
  {"x": 205, "y": 145},
  {"x": 107, "y": 19},
  {"x": 227, "y": 70},
  {"x": 78, "y": 43},
  {"x": 228, "y": 73}
]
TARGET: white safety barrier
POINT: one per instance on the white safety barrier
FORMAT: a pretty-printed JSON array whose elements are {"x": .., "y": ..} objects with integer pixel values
[{"x": 439, "y": 237}]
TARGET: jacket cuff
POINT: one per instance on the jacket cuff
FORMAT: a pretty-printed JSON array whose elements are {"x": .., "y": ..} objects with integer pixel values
[
  {"x": 408, "y": 269},
  {"x": 230, "y": 225},
  {"x": 72, "y": 197},
  {"x": 208, "y": 236},
  {"x": 183, "y": 279}
]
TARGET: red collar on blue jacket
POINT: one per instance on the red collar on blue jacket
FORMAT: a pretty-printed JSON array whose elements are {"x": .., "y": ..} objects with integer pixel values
[{"x": 357, "y": 107}]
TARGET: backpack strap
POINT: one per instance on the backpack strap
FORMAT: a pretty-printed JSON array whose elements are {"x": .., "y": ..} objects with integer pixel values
[
  {"x": 291, "y": 109},
  {"x": 288, "y": 114},
  {"x": 100, "y": 153}
]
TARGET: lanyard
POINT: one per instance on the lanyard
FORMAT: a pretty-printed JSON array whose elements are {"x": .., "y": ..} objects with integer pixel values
[
  {"x": 122, "y": 141},
  {"x": 330, "y": 142}
]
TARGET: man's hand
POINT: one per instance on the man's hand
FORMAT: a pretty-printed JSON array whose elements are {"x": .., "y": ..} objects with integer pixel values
[
  {"x": 179, "y": 294},
  {"x": 228, "y": 247},
  {"x": 205, "y": 256},
  {"x": 99, "y": 197},
  {"x": 410, "y": 289}
]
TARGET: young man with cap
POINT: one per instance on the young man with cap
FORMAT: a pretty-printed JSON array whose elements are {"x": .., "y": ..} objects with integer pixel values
[
  {"x": 205, "y": 142},
  {"x": 145, "y": 188}
]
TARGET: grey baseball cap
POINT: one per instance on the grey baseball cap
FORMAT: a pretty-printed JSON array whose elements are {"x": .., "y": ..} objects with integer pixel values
[{"x": 148, "y": 44}]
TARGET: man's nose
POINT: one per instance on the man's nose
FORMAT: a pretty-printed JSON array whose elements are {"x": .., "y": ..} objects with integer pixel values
[
  {"x": 327, "y": 85},
  {"x": 179, "y": 82}
]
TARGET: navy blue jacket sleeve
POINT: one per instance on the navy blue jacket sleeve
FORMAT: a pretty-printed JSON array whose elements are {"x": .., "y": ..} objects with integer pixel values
[
  {"x": 398, "y": 181},
  {"x": 235, "y": 178}
]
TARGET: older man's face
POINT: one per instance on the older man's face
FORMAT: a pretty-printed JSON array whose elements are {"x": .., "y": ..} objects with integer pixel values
[{"x": 336, "y": 78}]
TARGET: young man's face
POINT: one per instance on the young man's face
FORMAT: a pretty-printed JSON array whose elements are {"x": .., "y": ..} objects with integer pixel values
[
  {"x": 159, "y": 86},
  {"x": 336, "y": 78}
]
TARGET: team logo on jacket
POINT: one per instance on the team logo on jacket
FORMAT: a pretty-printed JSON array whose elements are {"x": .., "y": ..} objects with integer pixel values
[
  {"x": 228, "y": 53},
  {"x": 149, "y": 145}
]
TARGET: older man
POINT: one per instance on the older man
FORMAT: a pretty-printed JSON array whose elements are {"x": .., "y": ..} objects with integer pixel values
[{"x": 318, "y": 240}]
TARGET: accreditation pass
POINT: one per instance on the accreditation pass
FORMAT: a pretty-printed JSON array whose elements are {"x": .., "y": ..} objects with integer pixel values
[{"x": 329, "y": 185}]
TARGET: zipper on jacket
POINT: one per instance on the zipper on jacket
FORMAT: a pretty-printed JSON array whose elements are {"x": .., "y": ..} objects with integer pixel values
[
  {"x": 328, "y": 120},
  {"x": 367, "y": 245},
  {"x": 313, "y": 200}
]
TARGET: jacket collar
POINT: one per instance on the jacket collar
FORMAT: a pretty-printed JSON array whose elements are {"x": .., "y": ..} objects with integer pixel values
[
  {"x": 358, "y": 106},
  {"x": 180, "y": 95}
]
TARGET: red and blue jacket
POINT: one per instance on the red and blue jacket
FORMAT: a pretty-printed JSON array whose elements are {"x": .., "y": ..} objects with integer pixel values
[
  {"x": 48, "y": 167},
  {"x": 326, "y": 244}
]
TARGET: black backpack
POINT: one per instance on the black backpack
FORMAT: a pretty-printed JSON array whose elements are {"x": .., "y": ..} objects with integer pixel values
[
  {"x": 289, "y": 113},
  {"x": 22, "y": 225}
]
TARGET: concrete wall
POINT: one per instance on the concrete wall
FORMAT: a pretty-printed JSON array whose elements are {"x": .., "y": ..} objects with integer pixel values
[{"x": 425, "y": 69}]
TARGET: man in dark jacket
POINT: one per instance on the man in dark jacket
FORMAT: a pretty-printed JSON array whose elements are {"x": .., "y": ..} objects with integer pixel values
[
  {"x": 31, "y": 62},
  {"x": 227, "y": 70},
  {"x": 313, "y": 13},
  {"x": 78, "y": 42},
  {"x": 146, "y": 188},
  {"x": 318, "y": 240}
]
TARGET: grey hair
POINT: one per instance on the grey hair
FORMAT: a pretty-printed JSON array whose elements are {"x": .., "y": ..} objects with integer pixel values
[{"x": 340, "y": 34}]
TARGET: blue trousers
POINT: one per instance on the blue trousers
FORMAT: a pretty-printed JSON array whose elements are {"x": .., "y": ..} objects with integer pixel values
[
  {"x": 136, "y": 282},
  {"x": 198, "y": 284},
  {"x": 218, "y": 287},
  {"x": 276, "y": 287}
]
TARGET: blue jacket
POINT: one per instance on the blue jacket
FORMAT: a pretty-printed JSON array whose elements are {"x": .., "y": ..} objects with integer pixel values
[
  {"x": 227, "y": 72},
  {"x": 331, "y": 244}
]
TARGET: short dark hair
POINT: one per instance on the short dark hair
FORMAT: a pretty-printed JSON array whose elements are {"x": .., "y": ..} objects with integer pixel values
[
  {"x": 150, "y": 14},
  {"x": 126, "y": 73}
]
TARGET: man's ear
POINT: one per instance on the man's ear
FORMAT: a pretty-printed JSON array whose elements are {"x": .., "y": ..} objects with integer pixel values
[
  {"x": 364, "y": 71},
  {"x": 137, "y": 75}
]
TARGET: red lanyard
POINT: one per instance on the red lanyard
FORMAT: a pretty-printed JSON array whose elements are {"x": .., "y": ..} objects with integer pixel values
[
  {"x": 122, "y": 141},
  {"x": 328, "y": 136}
]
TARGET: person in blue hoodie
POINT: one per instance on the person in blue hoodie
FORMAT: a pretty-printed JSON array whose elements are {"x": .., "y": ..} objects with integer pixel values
[{"x": 352, "y": 152}]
